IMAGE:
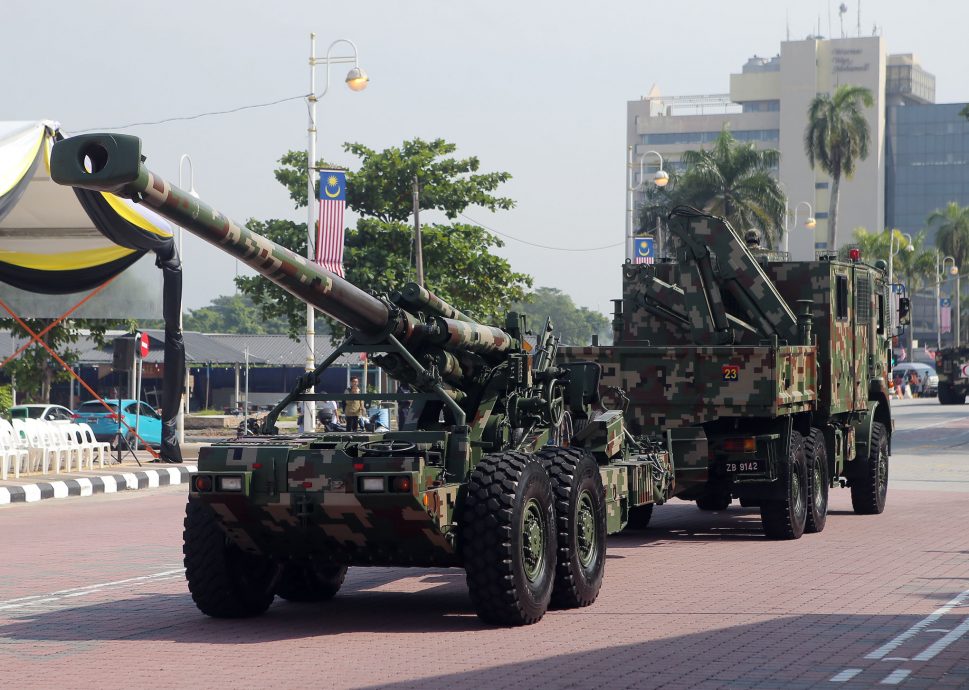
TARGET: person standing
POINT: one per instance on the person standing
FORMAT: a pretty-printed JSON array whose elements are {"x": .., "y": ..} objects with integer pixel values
[{"x": 354, "y": 409}]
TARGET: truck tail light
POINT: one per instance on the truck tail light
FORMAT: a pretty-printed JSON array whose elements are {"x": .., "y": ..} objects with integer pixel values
[
  {"x": 202, "y": 483},
  {"x": 401, "y": 485},
  {"x": 740, "y": 445}
]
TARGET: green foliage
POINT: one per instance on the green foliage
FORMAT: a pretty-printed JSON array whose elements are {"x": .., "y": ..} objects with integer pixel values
[
  {"x": 233, "y": 314},
  {"x": 35, "y": 370},
  {"x": 965, "y": 112},
  {"x": 837, "y": 136},
  {"x": 732, "y": 180},
  {"x": 574, "y": 325},
  {"x": 952, "y": 232},
  {"x": 6, "y": 399},
  {"x": 459, "y": 265}
]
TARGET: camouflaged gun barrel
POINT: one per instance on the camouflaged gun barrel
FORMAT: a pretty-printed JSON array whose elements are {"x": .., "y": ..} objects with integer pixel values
[
  {"x": 113, "y": 163},
  {"x": 419, "y": 298}
]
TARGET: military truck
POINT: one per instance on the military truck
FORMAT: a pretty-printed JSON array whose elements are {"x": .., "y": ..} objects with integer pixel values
[
  {"x": 488, "y": 472},
  {"x": 952, "y": 366},
  {"x": 767, "y": 377}
]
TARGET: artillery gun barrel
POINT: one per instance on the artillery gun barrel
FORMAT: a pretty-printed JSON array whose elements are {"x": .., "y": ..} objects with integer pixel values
[
  {"x": 413, "y": 295},
  {"x": 113, "y": 163}
]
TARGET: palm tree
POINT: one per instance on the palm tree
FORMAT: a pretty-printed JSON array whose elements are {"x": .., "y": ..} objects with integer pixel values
[
  {"x": 917, "y": 268},
  {"x": 952, "y": 233},
  {"x": 837, "y": 136},
  {"x": 734, "y": 180}
]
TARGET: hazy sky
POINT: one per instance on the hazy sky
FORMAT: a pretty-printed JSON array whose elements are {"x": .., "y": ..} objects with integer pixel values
[{"x": 536, "y": 88}]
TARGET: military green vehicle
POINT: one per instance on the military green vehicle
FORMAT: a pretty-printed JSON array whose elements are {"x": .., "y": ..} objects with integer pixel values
[
  {"x": 769, "y": 377},
  {"x": 502, "y": 467},
  {"x": 952, "y": 366}
]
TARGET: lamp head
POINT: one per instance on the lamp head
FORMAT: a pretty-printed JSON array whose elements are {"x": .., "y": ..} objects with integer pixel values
[
  {"x": 910, "y": 248},
  {"x": 954, "y": 270},
  {"x": 810, "y": 222},
  {"x": 357, "y": 79},
  {"x": 661, "y": 178}
]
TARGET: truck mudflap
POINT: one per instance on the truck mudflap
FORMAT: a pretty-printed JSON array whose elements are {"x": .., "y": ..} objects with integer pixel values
[{"x": 690, "y": 453}]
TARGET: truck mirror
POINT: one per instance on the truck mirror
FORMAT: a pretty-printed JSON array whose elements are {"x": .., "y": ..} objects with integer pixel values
[{"x": 904, "y": 309}]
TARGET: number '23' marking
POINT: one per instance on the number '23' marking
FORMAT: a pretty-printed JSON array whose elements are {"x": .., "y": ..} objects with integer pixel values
[{"x": 731, "y": 372}]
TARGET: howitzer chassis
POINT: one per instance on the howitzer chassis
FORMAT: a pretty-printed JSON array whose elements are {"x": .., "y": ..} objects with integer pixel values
[
  {"x": 952, "y": 366},
  {"x": 763, "y": 402},
  {"x": 485, "y": 473}
]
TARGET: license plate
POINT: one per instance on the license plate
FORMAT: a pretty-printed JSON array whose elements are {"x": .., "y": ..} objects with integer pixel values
[{"x": 744, "y": 466}]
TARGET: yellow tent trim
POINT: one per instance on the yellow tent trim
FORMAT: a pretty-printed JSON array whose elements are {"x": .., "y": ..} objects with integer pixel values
[
  {"x": 66, "y": 261},
  {"x": 27, "y": 161},
  {"x": 131, "y": 216}
]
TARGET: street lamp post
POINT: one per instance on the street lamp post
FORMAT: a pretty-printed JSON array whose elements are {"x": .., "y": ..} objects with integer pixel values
[
  {"x": 183, "y": 403},
  {"x": 940, "y": 265},
  {"x": 357, "y": 81},
  {"x": 809, "y": 221},
  {"x": 661, "y": 178}
]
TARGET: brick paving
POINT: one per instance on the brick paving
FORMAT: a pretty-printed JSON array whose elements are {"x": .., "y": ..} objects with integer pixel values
[{"x": 94, "y": 596}]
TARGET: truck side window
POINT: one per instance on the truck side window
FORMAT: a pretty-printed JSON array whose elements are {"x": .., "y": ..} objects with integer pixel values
[
  {"x": 841, "y": 297},
  {"x": 881, "y": 314}
]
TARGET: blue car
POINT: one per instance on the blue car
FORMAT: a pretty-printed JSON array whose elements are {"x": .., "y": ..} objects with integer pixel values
[{"x": 104, "y": 424}]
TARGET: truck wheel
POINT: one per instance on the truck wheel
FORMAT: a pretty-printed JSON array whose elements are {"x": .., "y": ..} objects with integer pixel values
[
  {"x": 714, "y": 502},
  {"x": 639, "y": 517},
  {"x": 305, "y": 582},
  {"x": 580, "y": 516},
  {"x": 869, "y": 488},
  {"x": 786, "y": 517},
  {"x": 816, "y": 455},
  {"x": 508, "y": 539},
  {"x": 947, "y": 396},
  {"x": 224, "y": 581}
]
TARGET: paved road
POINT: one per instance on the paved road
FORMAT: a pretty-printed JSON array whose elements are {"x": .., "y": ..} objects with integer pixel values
[{"x": 92, "y": 594}]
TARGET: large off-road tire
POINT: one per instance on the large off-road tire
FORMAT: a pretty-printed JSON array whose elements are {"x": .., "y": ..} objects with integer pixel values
[
  {"x": 816, "y": 457},
  {"x": 869, "y": 486},
  {"x": 947, "y": 396},
  {"x": 580, "y": 517},
  {"x": 714, "y": 501},
  {"x": 750, "y": 503},
  {"x": 224, "y": 581},
  {"x": 639, "y": 517},
  {"x": 785, "y": 516},
  {"x": 305, "y": 582},
  {"x": 508, "y": 538}
]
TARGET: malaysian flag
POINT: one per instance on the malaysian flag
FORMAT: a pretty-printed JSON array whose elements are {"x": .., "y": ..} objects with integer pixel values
[
  {"x": 329, "y": 231},
  {"x": 945, "y": 314},
  {"x": 643, "y": 250}
]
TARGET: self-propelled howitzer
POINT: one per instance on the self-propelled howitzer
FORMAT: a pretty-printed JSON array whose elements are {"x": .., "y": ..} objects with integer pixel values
[{"x": 484, "y": 473}]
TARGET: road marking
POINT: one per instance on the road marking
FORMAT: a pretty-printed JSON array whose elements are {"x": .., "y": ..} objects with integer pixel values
[
  {"x": 899, "y": 639},
  {"x": 895, "y": 658},
  {"x": 87, "y": 589},
  {"x": 943, "y": 642},
  {"x": 895, "y": 677},
  {"x": 845, "y": 675}
]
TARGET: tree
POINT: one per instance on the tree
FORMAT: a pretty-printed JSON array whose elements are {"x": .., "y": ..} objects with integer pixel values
[
  {"x": 952, "y": 232},
  {"x": 837, "y": 136},
  {"x": 917, "y": 269},
  {"x": 35, "y": 370},
  {"x": 232, "y": 314},
  {"x": 574, "y": 325},
  {"x": 733, "y": 180},
  {"x": 460, "y": 266}
]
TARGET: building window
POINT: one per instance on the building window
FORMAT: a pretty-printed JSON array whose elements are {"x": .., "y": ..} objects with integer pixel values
[
  {"x": 820, "y": 185},
  {"x": 681, "y": 138},
  {"x": 820, "y": 215}
]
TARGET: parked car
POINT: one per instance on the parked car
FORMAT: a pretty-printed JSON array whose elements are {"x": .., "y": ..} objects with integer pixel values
[
  {"x": 928, "y": 384},
  {"x": 52, "y": 413},
  {"x": 147, "y": 422}
]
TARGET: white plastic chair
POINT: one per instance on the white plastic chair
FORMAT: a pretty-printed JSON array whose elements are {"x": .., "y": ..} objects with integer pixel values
[
  {"x": 11, "y": 451},
  {"x": 62, "y": 447},
  {"x": 85, "y": 451},
  {"x": 102, "y": 448},
  {"x": 38, "y": 444}
]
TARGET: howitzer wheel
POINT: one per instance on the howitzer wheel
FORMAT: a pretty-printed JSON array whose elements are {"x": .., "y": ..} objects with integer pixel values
[
  {"x": 816, "y": 456},
  {"x": 224, "y": 581},
  {"x": 508, "y": 538},
  {"x": 304, "y": 582},
  {"x": 639, "y": 517},
  {"x": 869, "y": 488},
  {"x": 785, "y": 516},
  {"x": 580, "y": 516}
]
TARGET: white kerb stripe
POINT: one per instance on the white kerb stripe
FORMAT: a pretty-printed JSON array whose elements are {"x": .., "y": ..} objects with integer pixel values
[
  {"x": 31, "y": 493},
  {"x": 86, "y": 487},
  {"x": 4, "y": 495},
  {"x": 110, "y": 484},
  {"x": 131, "y": 481},
  {"x": 175, "y": 476},
  {"x": 192, "y": 469},
  {"x": 60, "y": 489},
  {"x": 152, "y": 478}
]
